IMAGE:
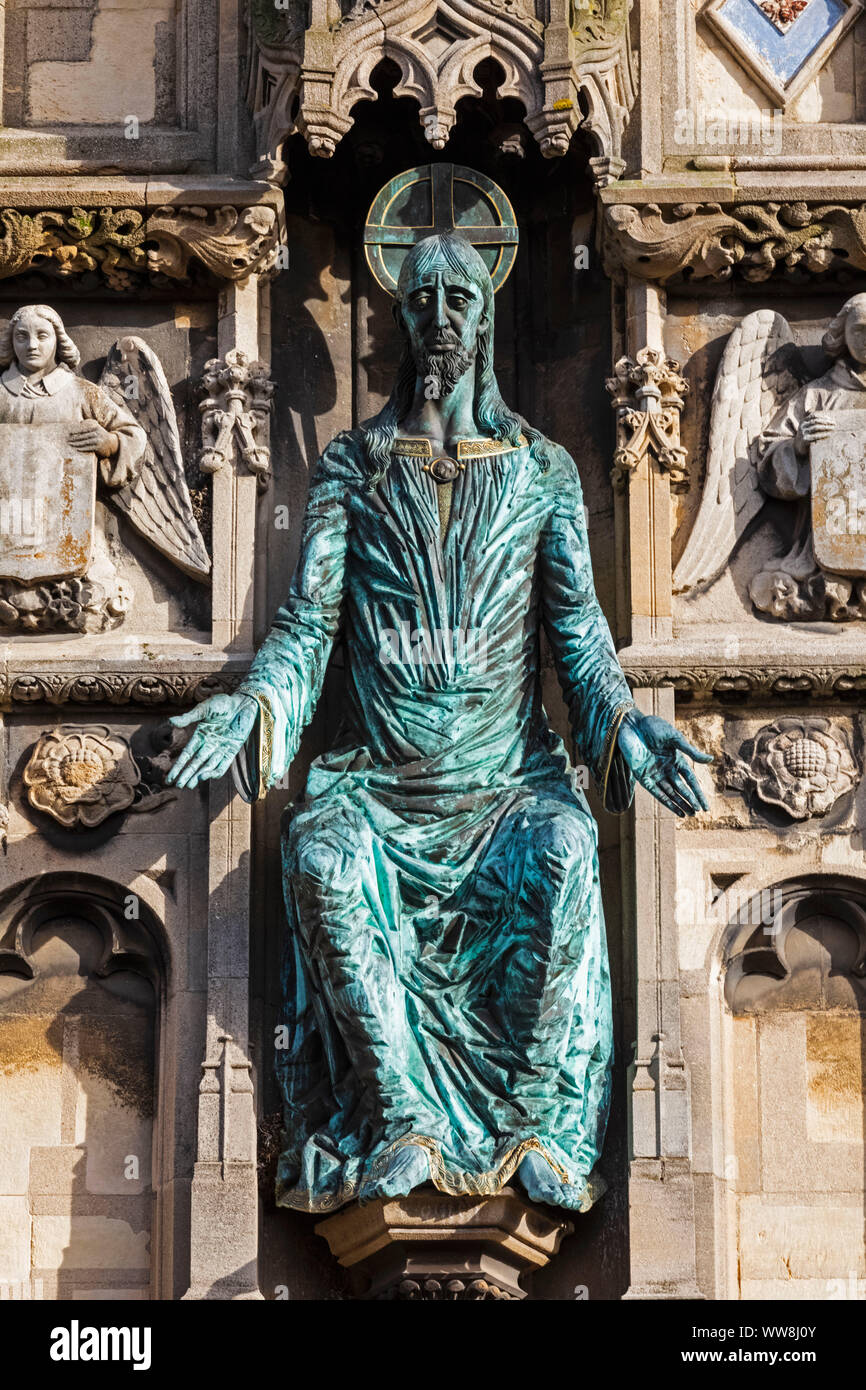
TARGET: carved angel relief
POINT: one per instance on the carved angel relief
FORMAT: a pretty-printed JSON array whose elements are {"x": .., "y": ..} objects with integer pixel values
[
  {"x": 60, "y": 435},
  {"x": 775, "y": 433}
]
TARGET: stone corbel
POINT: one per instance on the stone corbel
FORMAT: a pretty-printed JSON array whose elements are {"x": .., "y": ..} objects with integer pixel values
[
  {"x": 124, "y": 244},
  {"x": 708, "y": 241},
  {"x": 232, "y": 242},
  {"x": 648, "y": 394},
  {"x": 237, "y": 403}
]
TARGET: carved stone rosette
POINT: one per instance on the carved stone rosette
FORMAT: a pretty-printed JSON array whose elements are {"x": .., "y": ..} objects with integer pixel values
[
  {"x": 81, "y": 776},
  {"x": 433, "y": 1247},
  {"x": 802, "y": 765},
  {"x": 235, "y": 409},
  {"x": 709, "y": 240},
  {"x": 648, "y": 395}
]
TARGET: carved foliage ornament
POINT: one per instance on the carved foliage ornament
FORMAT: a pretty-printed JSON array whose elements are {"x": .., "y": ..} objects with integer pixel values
[
  {"x": 648, "y": 396},
  {"x": 707, "y": 241},
  {"x": 741, "y": 682},
  {"x": 801, "y": 765},
  {"x": 123, "y": 244},
  {"x": 114, "y": 688}
]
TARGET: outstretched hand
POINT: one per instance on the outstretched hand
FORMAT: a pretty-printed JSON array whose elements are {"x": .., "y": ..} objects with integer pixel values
[
  {"x": 657, "y": 754},
  {"x": 223, "y": 724}
]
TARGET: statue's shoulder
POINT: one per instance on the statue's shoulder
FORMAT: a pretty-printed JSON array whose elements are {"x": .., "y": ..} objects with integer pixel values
[
  {"x": 343, "y": 458},
  {"x": 559, "y": 471}
]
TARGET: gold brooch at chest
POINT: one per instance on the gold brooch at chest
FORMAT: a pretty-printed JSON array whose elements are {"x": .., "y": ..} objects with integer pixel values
[{"x": 445, "y": 470}]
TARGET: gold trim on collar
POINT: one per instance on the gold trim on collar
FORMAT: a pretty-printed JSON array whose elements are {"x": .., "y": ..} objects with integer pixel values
[{"x": 466, "y": 448}]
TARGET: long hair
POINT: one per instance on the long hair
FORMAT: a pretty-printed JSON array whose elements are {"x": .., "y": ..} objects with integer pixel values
[
  {"x": 67, "y": 354},
  {"x": 833, "y": 341},
  {"x": 492, "y": 415}
]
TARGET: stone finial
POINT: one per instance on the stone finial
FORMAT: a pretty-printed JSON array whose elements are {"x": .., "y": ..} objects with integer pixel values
[
  {"x": 648, "y": 394},
  {"x": 236, "y": 404}
]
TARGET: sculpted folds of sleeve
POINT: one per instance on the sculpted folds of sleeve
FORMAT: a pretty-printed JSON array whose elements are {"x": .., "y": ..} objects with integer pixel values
[
  {"x": 595, "y": 689},
  {"x": 286, "y": 677}
]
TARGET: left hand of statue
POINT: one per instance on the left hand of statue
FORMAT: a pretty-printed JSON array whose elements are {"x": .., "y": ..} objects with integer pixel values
[
  {"x": 656, "y": 753},
  {"x": 90, "y": 437}
]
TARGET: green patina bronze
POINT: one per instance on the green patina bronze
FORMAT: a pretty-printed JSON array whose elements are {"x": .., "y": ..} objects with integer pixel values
[{"x": 446, "y": 983}]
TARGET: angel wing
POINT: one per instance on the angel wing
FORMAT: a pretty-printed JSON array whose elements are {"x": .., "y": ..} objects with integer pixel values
[
  {"x": 760, "y": 369},
  {"x": 158, "y": 502}
]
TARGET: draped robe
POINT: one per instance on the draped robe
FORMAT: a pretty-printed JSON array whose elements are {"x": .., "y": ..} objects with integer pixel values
[{"x": 446, "y": 979}]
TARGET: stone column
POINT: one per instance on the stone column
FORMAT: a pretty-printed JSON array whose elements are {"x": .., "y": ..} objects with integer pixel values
[
  {"x": 648, "y": 395},
  {"x": 224, "y": 1215}
]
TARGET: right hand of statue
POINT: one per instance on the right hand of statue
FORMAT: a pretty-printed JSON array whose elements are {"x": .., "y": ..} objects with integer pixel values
[
  {"x": 816, "y": 425},
  {"x": 223, "y": 724}
]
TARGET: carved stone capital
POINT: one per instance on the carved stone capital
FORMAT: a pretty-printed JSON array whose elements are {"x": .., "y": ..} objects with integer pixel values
[
  {"x": 236, "y": 404},
  {"x": 708, "y": 241},
  {"x": 433, "y": 1247},
  {"x": 648, "y": 394}
]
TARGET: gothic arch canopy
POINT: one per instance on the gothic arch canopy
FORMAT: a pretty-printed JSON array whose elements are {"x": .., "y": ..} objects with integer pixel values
[{"x": 568, "y": 69}]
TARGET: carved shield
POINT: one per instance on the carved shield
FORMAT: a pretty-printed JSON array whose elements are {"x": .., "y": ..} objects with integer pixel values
[
  {"x": 838, "y": 466},
  {"x": 47, "y": 496}
]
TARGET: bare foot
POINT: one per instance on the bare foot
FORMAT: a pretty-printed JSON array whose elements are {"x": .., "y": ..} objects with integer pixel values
[
  {"x": 408, "y": 1167},
  {"x": 542, "y": 1184}
]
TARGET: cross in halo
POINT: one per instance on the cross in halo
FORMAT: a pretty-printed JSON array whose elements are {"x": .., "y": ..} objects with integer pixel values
[{"x": 487, "y": 220}]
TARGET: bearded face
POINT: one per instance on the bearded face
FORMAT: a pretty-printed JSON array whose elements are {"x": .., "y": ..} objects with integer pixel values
[
  {"x": 443, "y": 313},
  {"x": 443, "y": 364}
]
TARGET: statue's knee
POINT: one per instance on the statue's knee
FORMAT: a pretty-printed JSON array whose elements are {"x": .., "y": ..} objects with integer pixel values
[
  {"x": 563, "y": 842},
  {"x": 316, "y": 863}
]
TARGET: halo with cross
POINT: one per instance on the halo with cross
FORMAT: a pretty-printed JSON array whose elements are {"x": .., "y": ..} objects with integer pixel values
[{"x": 439, "y": 198}]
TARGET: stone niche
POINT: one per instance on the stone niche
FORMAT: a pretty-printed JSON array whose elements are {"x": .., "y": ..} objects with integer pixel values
[
  {"x": 80, "y": 989},
  {"x": 698, "y": 328},
  {"x": 784, "y": 1074}
]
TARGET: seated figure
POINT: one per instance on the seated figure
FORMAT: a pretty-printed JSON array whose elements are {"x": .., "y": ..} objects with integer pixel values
[{"x": 446, "y": 984}]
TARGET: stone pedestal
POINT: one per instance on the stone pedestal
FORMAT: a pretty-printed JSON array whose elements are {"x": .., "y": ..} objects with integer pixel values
[{"x": 431, "y": 1246}]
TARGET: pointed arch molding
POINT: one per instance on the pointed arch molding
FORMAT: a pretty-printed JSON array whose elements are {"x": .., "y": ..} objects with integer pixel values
[
  {"x": 573, "y": 68},
  {"x": 128, "y": 942}
]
